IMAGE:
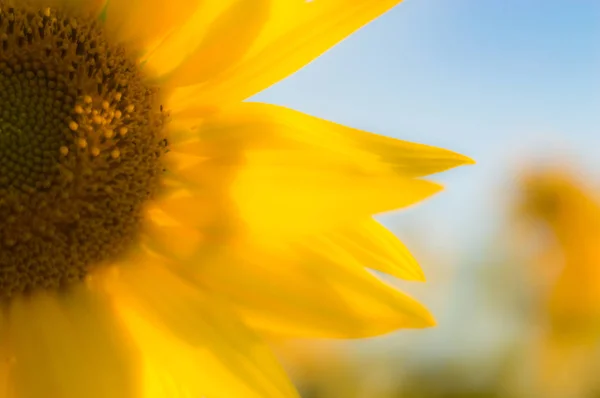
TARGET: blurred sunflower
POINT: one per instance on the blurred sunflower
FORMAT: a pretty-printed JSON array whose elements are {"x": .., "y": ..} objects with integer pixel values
[
  {"x": 566, "y": 347},
  {"x": 157, "y": 230}
]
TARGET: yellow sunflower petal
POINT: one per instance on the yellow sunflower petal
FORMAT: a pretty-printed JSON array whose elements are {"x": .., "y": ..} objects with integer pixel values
[
  {"x": 225, "y": 358},
  {"x": 216, "y": 37},
  {"x": 277, "y": 164},
  {"x": 146, "y": 21},
  {"x": 198, "y": 218},
  {"x": 177, "y": 241},
  {"x": 254, "y": 126},
  {"x": 69, "y": 347},
  {"x": 276, "y": 196},
  {"x": 297, "y": 32},
  {"x": 308, "y": 292},
  {"x": 280, "y": 192},
  {"x": 375, "y": 247}
]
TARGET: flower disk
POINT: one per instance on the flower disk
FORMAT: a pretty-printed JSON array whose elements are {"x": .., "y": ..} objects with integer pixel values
[{"x": 80, "y": 147}]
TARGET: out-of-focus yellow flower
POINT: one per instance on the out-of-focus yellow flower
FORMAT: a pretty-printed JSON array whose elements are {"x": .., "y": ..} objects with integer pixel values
[
  {"x": 570, "y": 211},
  {"x": 155, "y": 228}
]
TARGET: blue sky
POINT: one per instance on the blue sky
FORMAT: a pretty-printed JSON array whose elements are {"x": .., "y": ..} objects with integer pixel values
[{"x": 501, "y": 81}]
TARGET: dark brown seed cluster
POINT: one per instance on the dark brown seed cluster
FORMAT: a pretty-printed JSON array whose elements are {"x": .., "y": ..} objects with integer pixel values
[{"x": 80, "y": 147}]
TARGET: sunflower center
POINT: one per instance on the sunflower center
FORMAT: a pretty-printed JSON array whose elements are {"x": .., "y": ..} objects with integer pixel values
[{"x": 80, "y": 147}]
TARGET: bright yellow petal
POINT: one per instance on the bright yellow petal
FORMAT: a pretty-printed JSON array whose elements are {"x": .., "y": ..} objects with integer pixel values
[
  {"x": 256, "y": 126},
  {"x": 375, "y": 247},
  {"x": 278, "y": 194},
  {"x": 217, "y": 355},
  {"x": 70, "y": 346},
  {"x": 297, "y": 32},
  {"x": 288, "y": 172},
  {"x": 291, "y": 192},
  {"x": 146, "y": 21},
  {"x": 178, "y": 241},
  {"x": 215, "y": 37},
  {"x": 310, "y": 291},
  {"x": 199, "y": 217}
]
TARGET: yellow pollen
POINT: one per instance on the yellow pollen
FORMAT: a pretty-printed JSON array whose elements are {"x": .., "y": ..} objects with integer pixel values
[{"x": 72, "y": 190}]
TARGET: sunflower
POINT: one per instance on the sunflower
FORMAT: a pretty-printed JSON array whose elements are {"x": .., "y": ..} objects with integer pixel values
[
  {"x": 559, "y": 202},
  {"x": 157, "y": 232}
]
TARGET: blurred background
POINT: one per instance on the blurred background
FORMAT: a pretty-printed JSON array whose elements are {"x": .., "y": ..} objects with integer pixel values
[{"x": 511, "y": 249}]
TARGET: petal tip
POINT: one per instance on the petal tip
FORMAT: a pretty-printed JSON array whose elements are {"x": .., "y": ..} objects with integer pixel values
[
  {"x": 421, "y": 318},
  {"x": 467, "y": 161},
  {"x": 436, "y": 187},
  {"x": 418, "y": 276},
  {"x": 426, "y": 321},
  {"x": 412, "y": 273},
  {"x": 461, "y": 160}
]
